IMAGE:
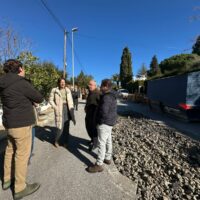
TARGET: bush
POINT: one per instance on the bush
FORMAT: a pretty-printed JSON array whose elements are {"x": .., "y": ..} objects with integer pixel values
[
  {"x": 133, "y": 86},
  {"x": 178, "y": 64}
]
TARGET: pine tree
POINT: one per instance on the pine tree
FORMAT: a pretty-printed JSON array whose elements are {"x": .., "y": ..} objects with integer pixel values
[
  {"x": 143, "y": 70},
  {"x": 126, "y": 73},
  {"x": 82, "y": 79},
  {"x": 196, "y": 46},
  {"x": 154, "y": 67}
]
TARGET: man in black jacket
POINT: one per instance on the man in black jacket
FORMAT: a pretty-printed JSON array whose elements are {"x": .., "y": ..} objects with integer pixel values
[
  {"x": 91, "y": 113},
  {"x": 106, "y": 119},
  {"x": 17, "y": 96},
  {"x": 75, "y": 96}
]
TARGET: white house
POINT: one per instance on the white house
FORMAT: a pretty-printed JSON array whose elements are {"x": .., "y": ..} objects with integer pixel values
[{"x": 140, "y": 78}]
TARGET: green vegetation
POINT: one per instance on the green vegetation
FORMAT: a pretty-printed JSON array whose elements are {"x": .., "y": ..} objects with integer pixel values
[
  {"x": 126, "y": 73},
  {"x": 133, "y": 86},
  {"x": 115, "y": 79},
  {"x": 82, "y": 80},
  {"x": 154, "y": 67},
  {"x": 196, "y": 46},
  {"x": 143, "y": 70},
  {"x": 176, "y": 65},
  {"x": 43, "y": 75}
]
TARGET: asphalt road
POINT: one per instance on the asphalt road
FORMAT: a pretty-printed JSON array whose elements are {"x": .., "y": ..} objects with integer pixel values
[
  {"x": 191, "y": 129},
  {"x": 61, "y": 171}
]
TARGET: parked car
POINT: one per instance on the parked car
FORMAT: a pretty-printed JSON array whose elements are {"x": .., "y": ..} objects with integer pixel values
[{"x": 122, "y": 93}]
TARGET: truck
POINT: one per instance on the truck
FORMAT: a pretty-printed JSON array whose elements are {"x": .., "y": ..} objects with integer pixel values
[{"x": 179, "y": 95}]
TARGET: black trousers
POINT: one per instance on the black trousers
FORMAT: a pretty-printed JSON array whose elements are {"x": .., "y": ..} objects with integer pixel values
[
  {"x": 91, "y": 127},
  {"x": 76, "y": 104}
]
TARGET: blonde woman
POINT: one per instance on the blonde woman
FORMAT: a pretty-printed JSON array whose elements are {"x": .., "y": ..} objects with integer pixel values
[{"x": 62, "y": 103}]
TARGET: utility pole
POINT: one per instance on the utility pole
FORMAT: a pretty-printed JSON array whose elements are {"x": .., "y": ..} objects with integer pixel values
[{"x": 64, "y": 57}]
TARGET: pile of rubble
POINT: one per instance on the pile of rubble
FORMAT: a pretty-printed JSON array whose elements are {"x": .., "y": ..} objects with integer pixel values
[{"x": 164, "y": 163}]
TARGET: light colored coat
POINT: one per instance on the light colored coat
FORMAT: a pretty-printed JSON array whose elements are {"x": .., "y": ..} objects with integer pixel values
[{"x": 56, "y": 102}]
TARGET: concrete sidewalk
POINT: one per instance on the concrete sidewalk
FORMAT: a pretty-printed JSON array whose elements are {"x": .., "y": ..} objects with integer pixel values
[{"x": 62, "y": 173}]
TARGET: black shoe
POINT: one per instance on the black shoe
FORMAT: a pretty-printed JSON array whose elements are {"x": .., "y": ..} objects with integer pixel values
[
  {"x": 90, "y": 142},
  {"x": 90, "y": 146}
]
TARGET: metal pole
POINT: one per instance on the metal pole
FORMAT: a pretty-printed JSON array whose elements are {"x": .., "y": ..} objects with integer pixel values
[
  {"x": 64, "y": 58},
  {"x": 73, "y": 58}
]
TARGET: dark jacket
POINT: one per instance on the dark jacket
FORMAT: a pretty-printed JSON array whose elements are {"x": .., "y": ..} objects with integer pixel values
[
  {"x": 75, "y": 96},
  {"x": 92, "y": 103},
  {"x": 107, "y": 111},
  {"x": 17, "y": 96}
]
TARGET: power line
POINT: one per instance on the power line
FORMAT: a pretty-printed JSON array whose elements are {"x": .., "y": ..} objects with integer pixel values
[
  {"x": 63, "y": 29},
  {"x": 53, "y": 15}
]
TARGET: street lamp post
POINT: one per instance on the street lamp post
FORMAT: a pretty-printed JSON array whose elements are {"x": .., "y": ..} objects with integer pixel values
[
  {"x": 73, "y": 30},
  {"x": 64, "y": 56}
]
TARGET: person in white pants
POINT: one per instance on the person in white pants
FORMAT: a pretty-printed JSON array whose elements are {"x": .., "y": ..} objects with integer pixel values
[{"x": 106, "y": 119}]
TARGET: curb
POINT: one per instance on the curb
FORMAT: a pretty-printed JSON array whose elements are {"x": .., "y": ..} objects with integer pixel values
[{"x": 122, "y": 182}]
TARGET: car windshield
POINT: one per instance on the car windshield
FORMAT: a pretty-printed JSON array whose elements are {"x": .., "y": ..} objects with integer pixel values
[{"x": 124, "y": 91}]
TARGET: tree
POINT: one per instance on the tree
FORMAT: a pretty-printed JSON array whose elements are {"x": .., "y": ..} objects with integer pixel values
[
  {"x": 154, "y": 66},
  {"x": 82, "y": 80},
  {"x": 27, "y": 58},
  {"x": 1, "y": 69},
  {"x": 180, "y": 64},
  {"x": 196, "y": 46},
  {"x": 11, "y": 44},
  {"x": 143, "y": 70},
  {"x": 43, "y": 76},
  {"x": 126, "y": 73},
  {"x": 115, "y": 78}
]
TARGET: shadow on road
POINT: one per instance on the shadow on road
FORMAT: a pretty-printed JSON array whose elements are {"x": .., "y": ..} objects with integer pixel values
[
  {"x": 3, "y": 144},
  {"x": 82, "y": 103},
  {"x": 75, "y": 144},
  {"x": 46, "y": 134}
]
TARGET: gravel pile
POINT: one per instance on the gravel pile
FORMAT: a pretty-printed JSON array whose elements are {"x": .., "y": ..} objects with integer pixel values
[{"x": 164, "y": 163}]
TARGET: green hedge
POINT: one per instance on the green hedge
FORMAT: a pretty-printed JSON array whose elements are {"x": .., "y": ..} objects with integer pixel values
[
  {"x": 133, "y": 86},
  {"x": 178, "y": 64}
]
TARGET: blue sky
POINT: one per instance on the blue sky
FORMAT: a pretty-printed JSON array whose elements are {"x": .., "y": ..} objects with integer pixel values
[{"x": 147, "y": 27}]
